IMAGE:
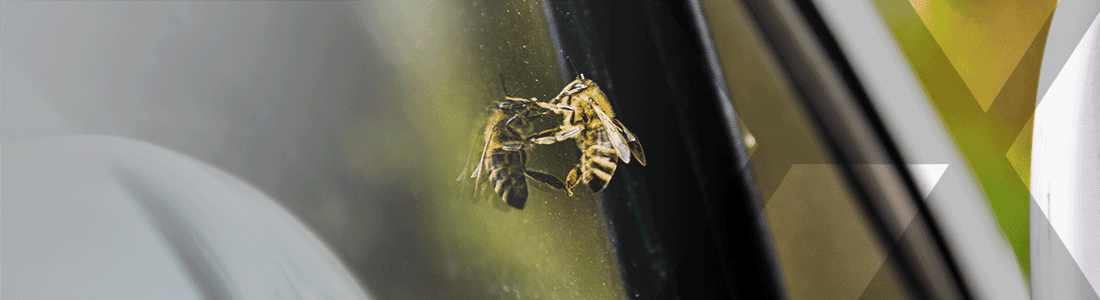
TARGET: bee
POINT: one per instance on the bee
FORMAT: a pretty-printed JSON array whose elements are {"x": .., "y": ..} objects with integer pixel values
[
  {"x": 504, "y": 154},
  {"x": 603, "y": 140}
]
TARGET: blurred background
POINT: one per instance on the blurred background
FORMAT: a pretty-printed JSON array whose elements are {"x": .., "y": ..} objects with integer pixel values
[
  {"x": 356, "y": 117},
  {"x": 861, "y": 149}
]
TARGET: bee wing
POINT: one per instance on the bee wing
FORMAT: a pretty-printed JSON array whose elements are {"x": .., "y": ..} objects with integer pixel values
[
  {"x": 466, "y": 166},
  {"x": 481, "y": 162},
  {"x": 632, "y": 141},
  {"x": 613, "y": 134}
]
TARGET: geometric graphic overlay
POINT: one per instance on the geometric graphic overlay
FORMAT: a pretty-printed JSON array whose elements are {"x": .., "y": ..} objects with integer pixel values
[
  {"x": 1019, "y": 154},
  {"x": 961, "y": 209},
  {"x": 1066, "y": 166},
  {"x": 821, "y": 235},
  {"x": 778, "y": 133},
  {"x": 927, "y": 175},
  {"x": 824, "y": 247},
  {"x": 1071, "y": 19},
  {"x": 983, "y": 122},
  {"x": 787, "y": 140},
  {"x": 984, "y": 39},
  {"x": 1055, "y": 274}
]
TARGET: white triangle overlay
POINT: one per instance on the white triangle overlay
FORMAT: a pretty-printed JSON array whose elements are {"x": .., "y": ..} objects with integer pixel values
[
  {"x": 1064, "y": 164},
  {"x": 926, "y": 176}
]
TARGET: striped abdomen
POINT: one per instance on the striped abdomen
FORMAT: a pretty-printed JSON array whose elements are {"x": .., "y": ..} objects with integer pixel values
[
  {"x": 598, "y": 158},
  {"x": 506, "y": 176}
]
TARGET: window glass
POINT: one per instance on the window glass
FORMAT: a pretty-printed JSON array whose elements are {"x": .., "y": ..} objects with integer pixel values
[{"x": 446, "y": 61}]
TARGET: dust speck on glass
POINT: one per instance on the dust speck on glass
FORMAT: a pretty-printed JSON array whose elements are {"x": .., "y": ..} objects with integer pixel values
[{"x": 449, "y": 58}]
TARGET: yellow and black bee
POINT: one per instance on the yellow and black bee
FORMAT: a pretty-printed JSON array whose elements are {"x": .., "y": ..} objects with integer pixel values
[
  {"x": 603, "y": 140},
  {"x": 504, "y": 156}
]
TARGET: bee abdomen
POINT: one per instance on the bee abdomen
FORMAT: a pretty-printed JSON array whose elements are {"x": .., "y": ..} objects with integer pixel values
[
  {"x": 600, "y": 163},
  {"x": 507, "y": 176}
]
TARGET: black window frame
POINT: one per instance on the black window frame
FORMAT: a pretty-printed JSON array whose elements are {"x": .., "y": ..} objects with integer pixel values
[{"x": 669, "y": 43}]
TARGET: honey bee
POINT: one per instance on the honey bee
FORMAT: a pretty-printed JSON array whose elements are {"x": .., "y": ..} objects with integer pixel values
[
  {"x": 602, "y": 139},
  {"x": 504, "y": 154}
]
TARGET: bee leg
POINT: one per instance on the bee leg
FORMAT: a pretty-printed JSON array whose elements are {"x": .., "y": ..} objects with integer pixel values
[
  {"x": 545, "y": 137},
  {"x": 515, "y": 134},
  {"x": 564, "y": 110},
  {"x": 536, "y": 116},
  {"x": 514, "y": 142},
  {"x": 548, "y": 179},
  {"x": 572, "y": 179},
  {"x": 568, "y": 132},
  {"x": 556, "y": 108},
  {"x": 556, "y": 134}
]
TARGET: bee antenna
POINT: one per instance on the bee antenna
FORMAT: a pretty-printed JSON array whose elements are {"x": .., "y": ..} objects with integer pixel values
[
  {"x": 574, "y": 66},
  {"x": 506, "y": 88}
]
